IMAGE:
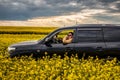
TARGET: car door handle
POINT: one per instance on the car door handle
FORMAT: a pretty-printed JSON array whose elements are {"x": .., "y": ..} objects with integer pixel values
[
  {"x": 99, "y": 48},
  {"x": 69, "y": 48}
]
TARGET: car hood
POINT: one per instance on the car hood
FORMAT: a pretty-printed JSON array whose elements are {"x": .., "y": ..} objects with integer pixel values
[{"x": 33, "y": 42}]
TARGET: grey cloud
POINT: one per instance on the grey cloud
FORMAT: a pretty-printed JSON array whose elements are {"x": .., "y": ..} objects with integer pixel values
[
  {"x": 25, "y": 9},
  {"x": 108, "y": 1},
  {"x": 20, "y": 9},
  {"x": 116, "y": 7}
]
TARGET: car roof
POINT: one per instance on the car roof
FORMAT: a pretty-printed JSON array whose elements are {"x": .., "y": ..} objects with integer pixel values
[{"x": 91, "y": 26}]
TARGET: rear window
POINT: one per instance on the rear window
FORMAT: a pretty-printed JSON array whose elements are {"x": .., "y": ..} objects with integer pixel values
[
  {"x": 111, "y": 34},
  {"x": 89, "y": 35}
]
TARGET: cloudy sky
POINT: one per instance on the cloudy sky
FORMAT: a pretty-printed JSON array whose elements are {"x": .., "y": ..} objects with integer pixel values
[{"x": 105, "y": 10}]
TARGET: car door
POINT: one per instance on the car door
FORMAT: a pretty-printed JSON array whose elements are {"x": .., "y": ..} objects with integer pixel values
[
  {"x": 112, "y": 40},
  {"x": 54, "y": 47},
  {"x": 59, "y": 48},
  {"x": 90, "y": 42}
]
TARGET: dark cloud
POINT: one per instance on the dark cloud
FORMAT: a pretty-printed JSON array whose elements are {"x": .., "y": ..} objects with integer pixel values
[
  {"x": 108, "y": 1},
  {"x": 107, "y": 17},
  {"x": 116, "y": 7},
  {"x": 26, "y": 9}
]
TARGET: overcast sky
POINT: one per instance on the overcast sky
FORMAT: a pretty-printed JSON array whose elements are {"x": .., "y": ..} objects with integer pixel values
[{"x": 28, "y": 9}]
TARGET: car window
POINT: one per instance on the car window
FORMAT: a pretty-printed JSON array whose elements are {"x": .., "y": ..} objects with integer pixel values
[
  {"x": 111, "y": 34},
  {"x": 58, "y": 37},
  {"x": 89, "y": 35}
]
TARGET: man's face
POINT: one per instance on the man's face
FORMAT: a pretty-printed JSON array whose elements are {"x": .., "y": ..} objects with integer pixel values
[{"x": 69, "y": 35}]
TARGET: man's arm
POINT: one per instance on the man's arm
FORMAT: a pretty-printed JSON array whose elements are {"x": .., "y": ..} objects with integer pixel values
[{"x": 65, "y": 40}]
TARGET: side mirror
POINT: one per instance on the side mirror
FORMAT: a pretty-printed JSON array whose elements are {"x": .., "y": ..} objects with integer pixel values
[
  {"x": 47, "y": 43},
  {"x": 47, "y": 40}
]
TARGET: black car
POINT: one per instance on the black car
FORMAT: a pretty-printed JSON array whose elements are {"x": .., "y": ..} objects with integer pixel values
[{"x": 88, "y": 39}]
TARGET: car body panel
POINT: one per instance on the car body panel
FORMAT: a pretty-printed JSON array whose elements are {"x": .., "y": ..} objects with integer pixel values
[
  {"x": 113, "y": 48},
  {"x": 90, "y": 49},
  {"x": 58, "y": 48}
]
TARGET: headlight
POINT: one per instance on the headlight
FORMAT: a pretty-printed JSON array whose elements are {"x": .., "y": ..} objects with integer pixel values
[{"x": 11, "y": 49}]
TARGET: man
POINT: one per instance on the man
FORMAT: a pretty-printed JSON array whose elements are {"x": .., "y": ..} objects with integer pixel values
[{"x": 68, "y": 39}]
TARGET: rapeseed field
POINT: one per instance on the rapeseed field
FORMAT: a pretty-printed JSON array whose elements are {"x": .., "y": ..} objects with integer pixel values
[{"x": 55, "y": 68}]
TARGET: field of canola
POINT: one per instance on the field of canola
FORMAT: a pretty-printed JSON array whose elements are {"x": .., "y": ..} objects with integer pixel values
[{"x": 67, "y": 68}]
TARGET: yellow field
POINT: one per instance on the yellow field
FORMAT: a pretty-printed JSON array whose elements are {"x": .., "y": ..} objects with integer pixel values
[
  {"x": 67, "y": 68},
  {"x": 26, "y": 30}
]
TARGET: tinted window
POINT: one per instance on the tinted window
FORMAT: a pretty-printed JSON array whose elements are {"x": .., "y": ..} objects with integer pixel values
[
  {"x": 112, "y": 34},
  {"x": 89, "y": 35}
]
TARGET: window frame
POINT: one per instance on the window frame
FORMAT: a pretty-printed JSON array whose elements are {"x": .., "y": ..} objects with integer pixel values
[
  {"x": 89, "y": 29},
  {"x": 112, "y": 36},
  {"x": 60, "y": 30}
]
